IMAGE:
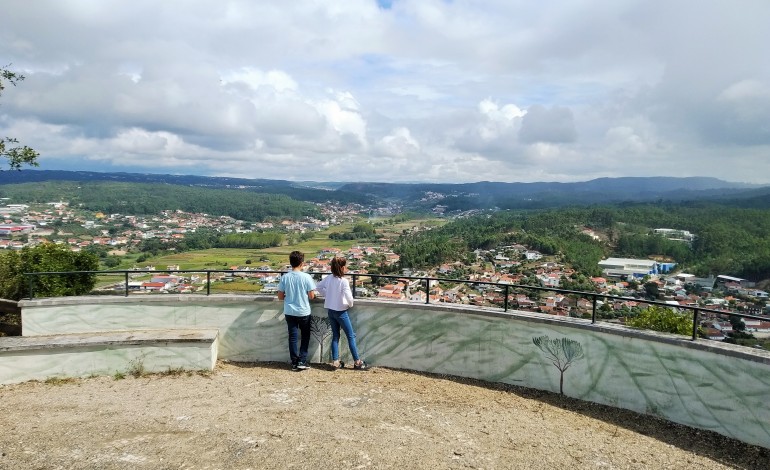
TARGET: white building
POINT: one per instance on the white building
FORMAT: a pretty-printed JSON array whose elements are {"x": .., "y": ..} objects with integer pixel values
[
  {"x": 628, "y": 267},
  {"x": 675, "y": 234}
]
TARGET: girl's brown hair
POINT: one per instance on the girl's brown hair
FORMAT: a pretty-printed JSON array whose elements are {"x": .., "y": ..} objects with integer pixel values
[{"x": 337, "y": 264}]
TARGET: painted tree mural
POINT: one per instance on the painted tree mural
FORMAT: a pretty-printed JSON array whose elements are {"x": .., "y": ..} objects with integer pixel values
[
  {"x": 561, "y": 352},
  {"x": 320, "y": 329}
]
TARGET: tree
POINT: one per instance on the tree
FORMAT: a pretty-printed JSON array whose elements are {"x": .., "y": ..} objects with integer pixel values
[
  {"x": 606, "y": 311},
  {"x": 49, "y": 257},
  {"x": 659, "y": 318},
  {"x": 737, "y": 323},
  {"x": 16, "y": 155},
  {"x": 561, "y": 352},
  {"x": 652, "y": 289}
]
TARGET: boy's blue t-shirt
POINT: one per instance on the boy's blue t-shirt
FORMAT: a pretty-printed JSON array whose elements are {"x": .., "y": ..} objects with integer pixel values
[{"x": 295, "y": 285}]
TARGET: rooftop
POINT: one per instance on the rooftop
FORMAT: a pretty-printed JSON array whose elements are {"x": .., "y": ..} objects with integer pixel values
[{"x": 245, "y": 415}]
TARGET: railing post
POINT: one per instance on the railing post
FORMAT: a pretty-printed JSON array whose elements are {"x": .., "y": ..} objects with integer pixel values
[
  {"x": 427, "y": 290},
  {"x": 593, "y": 310},
  {"x": 694, "y": 323},
  {"x": 126, "y": 283},
  {"x": 353, "y": 290},
  {"x": 208, "y": 282},
  {"x": 505, "y": 301},
  {"x": 31, "y": 286}
]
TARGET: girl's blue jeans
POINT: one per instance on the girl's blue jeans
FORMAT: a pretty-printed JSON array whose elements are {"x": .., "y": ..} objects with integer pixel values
[{"x": 339, "y": 319}]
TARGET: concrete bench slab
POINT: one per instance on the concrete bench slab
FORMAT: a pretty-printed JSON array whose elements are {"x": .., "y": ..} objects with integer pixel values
[{"x": 106, "y": 353}]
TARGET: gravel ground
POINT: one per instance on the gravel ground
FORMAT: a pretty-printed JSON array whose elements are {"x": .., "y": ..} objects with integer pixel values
[{"x": 265, "y": 416}]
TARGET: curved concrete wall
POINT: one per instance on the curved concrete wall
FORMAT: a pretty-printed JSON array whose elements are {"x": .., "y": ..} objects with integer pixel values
[{"x": 703, "y": 384}]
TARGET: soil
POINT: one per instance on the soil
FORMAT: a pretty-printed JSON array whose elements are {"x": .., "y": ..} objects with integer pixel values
[
  {"x": 264, "y": 416},
  {"x": 10, "y": 324}
]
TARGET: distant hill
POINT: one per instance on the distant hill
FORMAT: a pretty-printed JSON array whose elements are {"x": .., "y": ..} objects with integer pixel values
[
  {"x": 300, "y": 191},
  {"x": 29, "y": 176},
  {"x": 456, "y": 197},
  {"x": 118, "y": 197},
  {"x": 541, "y": 195}
]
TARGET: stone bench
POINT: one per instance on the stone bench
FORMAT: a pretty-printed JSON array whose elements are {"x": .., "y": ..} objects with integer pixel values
[{"x": 106, "y": 353}]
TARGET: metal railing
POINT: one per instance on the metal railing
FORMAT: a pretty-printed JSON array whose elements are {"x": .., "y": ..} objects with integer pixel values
[{"x": 506, "y": 288}]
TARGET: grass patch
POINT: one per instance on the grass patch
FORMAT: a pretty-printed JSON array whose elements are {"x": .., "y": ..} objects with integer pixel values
[
  {"x": 118, "y": 375},
  {"x": 60, "y": 380},
  {"x": 172, "y": 372},
  {"x": 136, "y": 368},
  {"x": 236, "y": 286}
]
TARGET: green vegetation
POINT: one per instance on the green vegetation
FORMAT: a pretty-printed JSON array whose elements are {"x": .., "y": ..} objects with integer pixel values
[
  {"x": 15, "y": 155},
  {"x": 136, "y": 368},
  {"x": 358, "y": 232},
  {"x": 60, "y": 380},
  {"x": 729, "y": 240},
  {"x": 550, "y": 232},
  {"x": 665, "y": 319},
  {"x": 250, "y": 240},
  {"x": 46, "y": 258},
  {"x": 145, "y": 198},
  {"x": 172, "y": 372},
  {"x": 239, "y": 286},
  {"x": 223, "y": 258}
]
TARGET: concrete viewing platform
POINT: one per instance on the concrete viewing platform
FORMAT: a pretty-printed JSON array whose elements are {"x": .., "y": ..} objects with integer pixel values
[
  {"x": 264, "y": 416},
  {"x": 704, "y": 385}
]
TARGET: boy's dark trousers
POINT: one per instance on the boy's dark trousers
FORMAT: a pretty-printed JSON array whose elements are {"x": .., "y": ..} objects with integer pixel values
[{"x": 299, "y": 327}]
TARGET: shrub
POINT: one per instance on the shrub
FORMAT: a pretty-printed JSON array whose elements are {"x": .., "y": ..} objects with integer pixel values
[
  {"x": 46, "y": 258},
  {"x": 665, "y": 319}
]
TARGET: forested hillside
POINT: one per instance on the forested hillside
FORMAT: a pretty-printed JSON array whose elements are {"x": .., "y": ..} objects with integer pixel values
[
  {"x": 729, "y": 240},
  {"x": 150, "y": 198},
  {"x": 312, "y": 192},
  {"x": 548, "y": 232},
  {"x": 541, "y": 195}
]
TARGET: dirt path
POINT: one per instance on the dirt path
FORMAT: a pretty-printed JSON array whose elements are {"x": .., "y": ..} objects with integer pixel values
[{"x": 264, "y": 416}]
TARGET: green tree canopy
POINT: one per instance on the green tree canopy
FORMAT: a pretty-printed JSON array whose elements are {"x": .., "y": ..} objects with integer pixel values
[
  {"x": 659, "y": 318},
  {"x": 15, "y": 154},
  {"x": 47, "y": 257}
]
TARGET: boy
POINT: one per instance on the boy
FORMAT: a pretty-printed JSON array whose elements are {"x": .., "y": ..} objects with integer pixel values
[{"x": 297, "y": 289}]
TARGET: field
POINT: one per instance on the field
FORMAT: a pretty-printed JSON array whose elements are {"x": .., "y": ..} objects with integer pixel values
[{"x": 276, "y": 257}]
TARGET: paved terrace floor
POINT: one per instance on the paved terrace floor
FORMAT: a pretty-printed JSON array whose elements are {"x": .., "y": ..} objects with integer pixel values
[{"x": 264, "y": 416}]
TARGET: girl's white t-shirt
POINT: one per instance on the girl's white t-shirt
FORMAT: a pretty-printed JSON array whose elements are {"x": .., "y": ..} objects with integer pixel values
[{"x": 336, "y": 292}]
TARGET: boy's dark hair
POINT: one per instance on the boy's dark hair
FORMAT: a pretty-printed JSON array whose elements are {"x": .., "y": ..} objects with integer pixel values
[
  {"x": 337, "y": 264},
  {"x": 296, "y": 258}
]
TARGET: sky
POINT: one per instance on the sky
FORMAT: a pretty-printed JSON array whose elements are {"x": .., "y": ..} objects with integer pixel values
[{"x": 392, "y": 91}]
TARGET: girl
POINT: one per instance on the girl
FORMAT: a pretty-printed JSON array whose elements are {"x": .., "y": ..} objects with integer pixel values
[{"x": 338, "y": 299}]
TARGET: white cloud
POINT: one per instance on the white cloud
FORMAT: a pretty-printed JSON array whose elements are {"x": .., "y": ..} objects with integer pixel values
[
  {"x": 446, "y": 91},
  {"x": 399, "y": 144},
  {"x": 548, "y": 125},
  {"x": 278, "y": 80},
  {"x": 624, "y": 141}
]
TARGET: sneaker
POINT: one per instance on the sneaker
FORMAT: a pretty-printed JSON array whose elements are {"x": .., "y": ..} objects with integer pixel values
[
  {"x": 294, "y": 366},
  {"x": 362, "y": 366},
  {"x": 302, "y": 365}
]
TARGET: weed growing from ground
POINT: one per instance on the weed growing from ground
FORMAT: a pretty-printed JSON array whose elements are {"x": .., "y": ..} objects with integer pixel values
[
  {"x": 60, "y": 380},
  {"x": 136, "y": 368},
  {"x": 173, "y": 372}
]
